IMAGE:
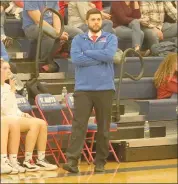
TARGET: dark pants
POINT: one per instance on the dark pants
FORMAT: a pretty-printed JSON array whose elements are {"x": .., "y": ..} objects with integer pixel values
[{"x": 83, "y": 105}]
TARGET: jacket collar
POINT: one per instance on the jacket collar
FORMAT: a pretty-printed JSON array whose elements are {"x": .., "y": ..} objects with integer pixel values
[{"x": 85, "y": 35}]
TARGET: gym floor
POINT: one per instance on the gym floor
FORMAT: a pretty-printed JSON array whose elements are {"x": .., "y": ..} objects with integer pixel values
[{"x": 156, "y": 171}]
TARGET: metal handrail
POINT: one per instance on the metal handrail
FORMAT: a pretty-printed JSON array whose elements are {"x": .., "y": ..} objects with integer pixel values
[
  {"x": 40, "y": 37},
  {"x": 123, "y": 60}
]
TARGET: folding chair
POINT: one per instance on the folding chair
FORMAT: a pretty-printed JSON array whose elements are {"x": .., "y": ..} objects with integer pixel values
[
  {"x": 92, "y": 128},
  {"x": 66, "y": 121},
  {"x": 25, "y": 106},
  {"x": 48, "y": 103}
]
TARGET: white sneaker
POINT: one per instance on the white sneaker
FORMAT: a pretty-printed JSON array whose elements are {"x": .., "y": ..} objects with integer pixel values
[
  {"x": 17, "y": 166},
  {"x": 45, "y": 165},
  {"x": 6, "y": 168},
  {"x": 30, "y": 166}
]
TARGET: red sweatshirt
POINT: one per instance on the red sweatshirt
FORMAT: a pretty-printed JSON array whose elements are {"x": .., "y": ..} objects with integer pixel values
[
  {"x": 98, "y": 4},
  {"x": 166, "y": 90},
  {"x": 62, "y": 5},
  {"x": 19, "y": 3},
  {"x": 123, "y": 14}
]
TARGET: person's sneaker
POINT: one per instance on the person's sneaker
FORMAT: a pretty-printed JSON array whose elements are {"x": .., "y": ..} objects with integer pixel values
[
  {"x": 8, "y": 164},
  {"x": 145, "y": 53},
  {"x": 99, "y": 168},
  {"x": 18, "y": 166},
  {"x": 44, "y": 165},
  {"x": 6, "y": 168},
  {"x": 50, "y": 68},
  {"x": 70, "y": 168},
  {"x": 30, "y": 166}
]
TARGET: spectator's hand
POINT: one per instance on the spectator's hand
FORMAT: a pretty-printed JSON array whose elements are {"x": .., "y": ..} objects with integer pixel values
[
  {"x": 106, "y": 15},
  {"x": 159, "y": 33},
  {"x": 12, "y": 84},
  {"x": 92, "y": 5},
  {"x": 8, "y": 41},
  {"x": 144, "y": 21},
  {"x": 64, "y": 36}
]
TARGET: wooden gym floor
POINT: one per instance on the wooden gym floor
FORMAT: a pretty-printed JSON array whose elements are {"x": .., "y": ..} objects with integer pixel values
[{"x": 159, "y": 171}]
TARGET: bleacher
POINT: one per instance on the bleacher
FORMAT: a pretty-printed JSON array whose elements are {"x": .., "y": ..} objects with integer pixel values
[{"x": 138, "y": 99}]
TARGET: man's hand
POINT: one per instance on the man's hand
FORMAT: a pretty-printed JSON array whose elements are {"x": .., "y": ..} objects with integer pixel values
[
  {"x": 64, "y": 36},
  {"x": 159, "y": 33},
  {"x": 106, "y": 15}
]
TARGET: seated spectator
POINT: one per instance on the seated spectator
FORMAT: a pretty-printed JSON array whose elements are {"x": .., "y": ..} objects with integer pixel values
[
  {"x": 153, "y": 25},
  {"x": 99, "y": 6},
  {"x": 166, "y": 77},
  {"x": 14, "y": 10},
  {"x": 126, "y": 19},
  {"x": 167, "y": 18},
  {"x": 62, "y": 6},
  {"x": 36, "y": 128},
  {"x": 5, "y": 39},
  {"x": 77, "y": 16},
  {"x": 31, "y": 17}
]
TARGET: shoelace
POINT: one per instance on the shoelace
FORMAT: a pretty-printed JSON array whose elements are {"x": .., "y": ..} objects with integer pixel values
[
  {"x": 45, "y": 161},
  {"x": 8, "y": 162}
]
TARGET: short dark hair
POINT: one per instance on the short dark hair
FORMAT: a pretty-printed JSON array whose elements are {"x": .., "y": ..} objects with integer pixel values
[{"x": 92, "y": 11}]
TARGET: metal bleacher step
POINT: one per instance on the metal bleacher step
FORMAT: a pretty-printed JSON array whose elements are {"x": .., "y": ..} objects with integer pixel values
[
  {"x": 43, "y": 76},
  {"x": 131, "y": 117},
  {"x": 129, "y": 150},
  {"x": 137, "y": 132}
]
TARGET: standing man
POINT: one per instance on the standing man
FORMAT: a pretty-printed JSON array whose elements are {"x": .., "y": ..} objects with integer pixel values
[{"x": 92, "y": 53}]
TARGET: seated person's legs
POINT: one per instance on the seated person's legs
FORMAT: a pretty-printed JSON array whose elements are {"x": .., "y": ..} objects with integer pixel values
[
  {"x": 124, "y": 32},
  {"x": 36, "y": 135},
  {"x": 151, "y": 36},
  {"x": 169, "y": 30},
  {"x": 108, "y": 26},
  {"x": 5, "y": 167},
  {"x": 10, "y": 131},
  {"x": 72, "y": 31},
  {"x": 47, "y": 43}
]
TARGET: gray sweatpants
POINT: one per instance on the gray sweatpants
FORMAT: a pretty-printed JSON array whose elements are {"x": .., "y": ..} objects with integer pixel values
[
  {"x": 47, "y": 43},
  {"x": 131, "y": 32},
  {"x": 169, "y": 31}
]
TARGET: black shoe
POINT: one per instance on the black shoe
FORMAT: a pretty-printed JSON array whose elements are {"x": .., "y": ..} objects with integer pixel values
[
  {"x": 69, "y": 168},
  {"x": 50, "y": 68},
  {"x": 99, "y": 168}
]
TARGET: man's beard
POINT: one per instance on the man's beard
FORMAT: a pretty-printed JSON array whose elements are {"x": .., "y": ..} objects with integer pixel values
[{"x": 94, "y": 30}]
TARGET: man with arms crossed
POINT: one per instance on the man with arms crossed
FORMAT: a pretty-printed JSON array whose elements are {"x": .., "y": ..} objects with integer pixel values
[{"x": 92, "y": 53}]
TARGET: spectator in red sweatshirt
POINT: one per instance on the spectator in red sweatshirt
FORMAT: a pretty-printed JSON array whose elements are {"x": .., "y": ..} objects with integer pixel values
[
  {"x": 126, "y": 21},
  {"x": 166, "y": 77}
]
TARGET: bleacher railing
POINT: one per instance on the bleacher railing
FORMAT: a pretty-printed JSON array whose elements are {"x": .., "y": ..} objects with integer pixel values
[
  {"x": 48, "y": 31},
  {"x": 122, "y": 73}
]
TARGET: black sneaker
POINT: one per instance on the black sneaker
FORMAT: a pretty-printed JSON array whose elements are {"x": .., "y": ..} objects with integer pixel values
[
  {"x": 50, "y": 68},
  {"x": 99, "y": 168},
  {"x": 70, "y": 168}
]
